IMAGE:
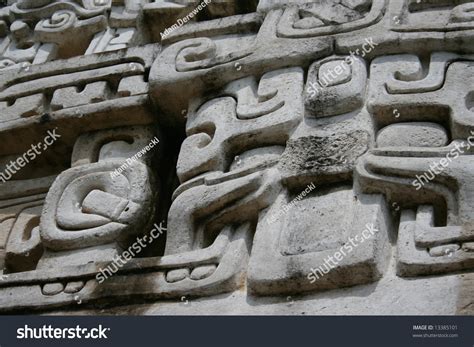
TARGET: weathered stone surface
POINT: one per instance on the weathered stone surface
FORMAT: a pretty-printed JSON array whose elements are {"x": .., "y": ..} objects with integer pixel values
[
  {"x": 252, "y": 157},
  {"x": 74, "y": 287},
  {"x": 52, "y": 288},
  {"x": 412, "y": 135}
]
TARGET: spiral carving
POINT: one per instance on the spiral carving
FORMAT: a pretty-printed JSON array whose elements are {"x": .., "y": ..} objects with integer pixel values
[
  {"x": 201, "y": 53},
  {"x": 60, "y": 20},
  {"x": 87, "y": 207}
]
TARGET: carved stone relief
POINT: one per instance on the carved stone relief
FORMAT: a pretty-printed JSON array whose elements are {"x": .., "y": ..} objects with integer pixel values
[{"x": 231, "y": 154}]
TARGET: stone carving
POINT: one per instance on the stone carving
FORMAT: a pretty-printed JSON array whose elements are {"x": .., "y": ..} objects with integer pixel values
[
  {"x": 322, "y": 18},
  {"x": 399, "y": 84},
  {"x": 87, "y": 206},
  {"x": 36, "y": 32},
  {"x": 337, "y": 86},
  {"x": 92, "y": 87},
  {"x": 226, "y": 168},
  {"x": 21, "y": 204},
  {"x": 448, "y": 16},
  {"x": 263, "y": 115},
  {"x": 423, "y": 246},
  {"x": 281, "y": 140}
]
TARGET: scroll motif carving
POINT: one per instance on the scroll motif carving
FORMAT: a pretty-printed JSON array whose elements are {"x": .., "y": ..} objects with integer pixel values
[{"x": 242, "y": 150}]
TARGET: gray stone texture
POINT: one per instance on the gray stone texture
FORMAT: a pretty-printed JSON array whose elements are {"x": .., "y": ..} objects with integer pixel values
[{"x": 237, "y": 157}]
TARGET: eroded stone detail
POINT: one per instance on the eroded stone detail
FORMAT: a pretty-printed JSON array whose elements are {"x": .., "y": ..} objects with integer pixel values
[{"x": 279, "y": 139}]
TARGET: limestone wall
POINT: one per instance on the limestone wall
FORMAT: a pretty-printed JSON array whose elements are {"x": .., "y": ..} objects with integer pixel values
[{"x": 237, "y": 157}]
